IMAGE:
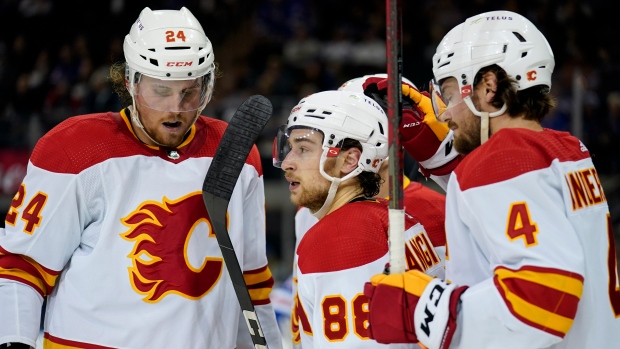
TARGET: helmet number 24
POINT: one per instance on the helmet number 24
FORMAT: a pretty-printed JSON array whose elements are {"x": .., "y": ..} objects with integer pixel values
[{"x": 171, "y": 36}]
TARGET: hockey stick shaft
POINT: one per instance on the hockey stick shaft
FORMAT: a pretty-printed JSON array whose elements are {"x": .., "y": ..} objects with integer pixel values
[
  {"x": 395, "y": 150},
  {"x": 235, "y": 146}
]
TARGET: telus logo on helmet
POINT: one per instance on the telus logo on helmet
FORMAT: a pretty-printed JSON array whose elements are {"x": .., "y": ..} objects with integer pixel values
[
  {"x": 499, "y": 18},
  {"x": 179, "y": 64}
]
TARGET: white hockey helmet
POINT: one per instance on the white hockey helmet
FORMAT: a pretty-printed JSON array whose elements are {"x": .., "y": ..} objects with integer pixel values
[
  {"x": 357, "y": 84},
  {"x": 339, "y": 115},
  {"x": 169, "y": 45},
  {"x": 499, "y": 37}
]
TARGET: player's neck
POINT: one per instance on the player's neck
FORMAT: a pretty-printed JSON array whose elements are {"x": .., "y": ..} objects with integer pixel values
[
  {"x": 505, "y": 121},
  {"x": 347, "y": 191}
]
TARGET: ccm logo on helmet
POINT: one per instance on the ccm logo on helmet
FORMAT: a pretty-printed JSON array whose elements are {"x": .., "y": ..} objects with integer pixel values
[{"x": 179, "y": 64}]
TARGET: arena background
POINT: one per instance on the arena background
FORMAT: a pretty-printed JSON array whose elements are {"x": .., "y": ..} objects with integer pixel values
[{"x": 55, "y": 56}]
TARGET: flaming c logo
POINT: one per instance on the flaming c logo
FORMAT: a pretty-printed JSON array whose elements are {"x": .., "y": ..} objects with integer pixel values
[
  {"x": 161, "y": 232},
  {"x": 531, "y": 75}
]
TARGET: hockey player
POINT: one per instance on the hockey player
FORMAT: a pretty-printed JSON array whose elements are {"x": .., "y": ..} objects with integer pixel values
[
  {"x": 109, "y": 223},
  {"x": 427, "y": 205},
  {"x": 533, "y": 263},
  {"x": 331, "y": 150}
]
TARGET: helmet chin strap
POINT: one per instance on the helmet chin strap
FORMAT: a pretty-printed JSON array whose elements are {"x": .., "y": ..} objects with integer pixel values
[
  {"x": 484, "y": 116},
  {"x": 484, "y": 127},
  {"x": 333, "y": 188}
]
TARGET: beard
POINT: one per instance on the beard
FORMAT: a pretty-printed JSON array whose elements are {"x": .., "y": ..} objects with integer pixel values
[
  {"x": 314, "y": 196},
  {"x": 468, "y": 138}
]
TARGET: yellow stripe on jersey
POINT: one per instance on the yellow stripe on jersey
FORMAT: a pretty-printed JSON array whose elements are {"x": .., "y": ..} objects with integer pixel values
[
  {"x": 26, "y": 270},
  {"x": 48, "y": 278},
  {"x": 257, "y": 276},
  {"x": 22, "y": 276},
  {"x": 543, "y": 298},
  {"x": 260, "y": 294},
  {"x": 259, "y": 283}
]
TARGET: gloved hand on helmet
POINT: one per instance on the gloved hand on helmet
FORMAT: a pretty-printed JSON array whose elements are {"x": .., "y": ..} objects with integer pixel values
[
  {"x": 412, "y": 307},
  {"x": 426, "y": 139}
]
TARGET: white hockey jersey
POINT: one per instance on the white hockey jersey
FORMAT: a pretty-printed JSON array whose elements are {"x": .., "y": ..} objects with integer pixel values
[
  {"x": 528, "y": 229},
  {"x": 115, "y": 233},
  {"x": 336, "y": 257}
]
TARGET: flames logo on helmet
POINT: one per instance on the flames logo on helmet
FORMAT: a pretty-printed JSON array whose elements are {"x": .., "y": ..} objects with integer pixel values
[{"x": 531, "y": 75}]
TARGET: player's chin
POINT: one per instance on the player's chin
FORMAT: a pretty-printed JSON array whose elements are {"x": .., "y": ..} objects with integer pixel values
[
  {"x": 295, "y": 199},
  {"x": 170, "y": 141}
]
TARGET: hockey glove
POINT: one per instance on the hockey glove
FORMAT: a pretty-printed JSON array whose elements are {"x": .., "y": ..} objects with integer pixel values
[
  {"x": 423, "y": 135},
  {"x": 411, "y": 307}
]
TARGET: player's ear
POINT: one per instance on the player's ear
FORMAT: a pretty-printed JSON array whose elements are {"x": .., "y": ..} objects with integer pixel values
[
  {"x": 489, "y": 86},
  {"x": 351, "y": 159}
]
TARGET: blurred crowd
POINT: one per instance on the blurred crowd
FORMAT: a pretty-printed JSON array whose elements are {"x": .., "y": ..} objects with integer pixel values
[{"x": 55, "y": 57}]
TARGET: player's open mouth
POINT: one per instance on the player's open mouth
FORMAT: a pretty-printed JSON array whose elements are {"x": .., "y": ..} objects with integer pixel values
[
  {"x": 292, "y": 184},
  {"x": 174, "y": 124}
]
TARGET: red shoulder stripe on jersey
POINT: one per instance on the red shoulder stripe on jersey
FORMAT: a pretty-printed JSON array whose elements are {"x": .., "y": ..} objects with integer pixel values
[
  {"x": 544, "y": 298},
  {"x": 351, "y": 236},
  {"x": 516, "y": 151}
]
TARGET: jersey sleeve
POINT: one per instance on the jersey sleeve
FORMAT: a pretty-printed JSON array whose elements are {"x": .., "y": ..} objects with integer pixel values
[
  {"x": 533, "y": 286},
  {"x": 42, "y": 230}
]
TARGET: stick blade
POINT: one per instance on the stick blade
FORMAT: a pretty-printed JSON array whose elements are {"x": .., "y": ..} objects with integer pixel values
[{"x": 240, "y": 136}]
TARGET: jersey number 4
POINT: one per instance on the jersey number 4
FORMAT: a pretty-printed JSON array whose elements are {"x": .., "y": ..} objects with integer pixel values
[{"x": 521, "y": 225}]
